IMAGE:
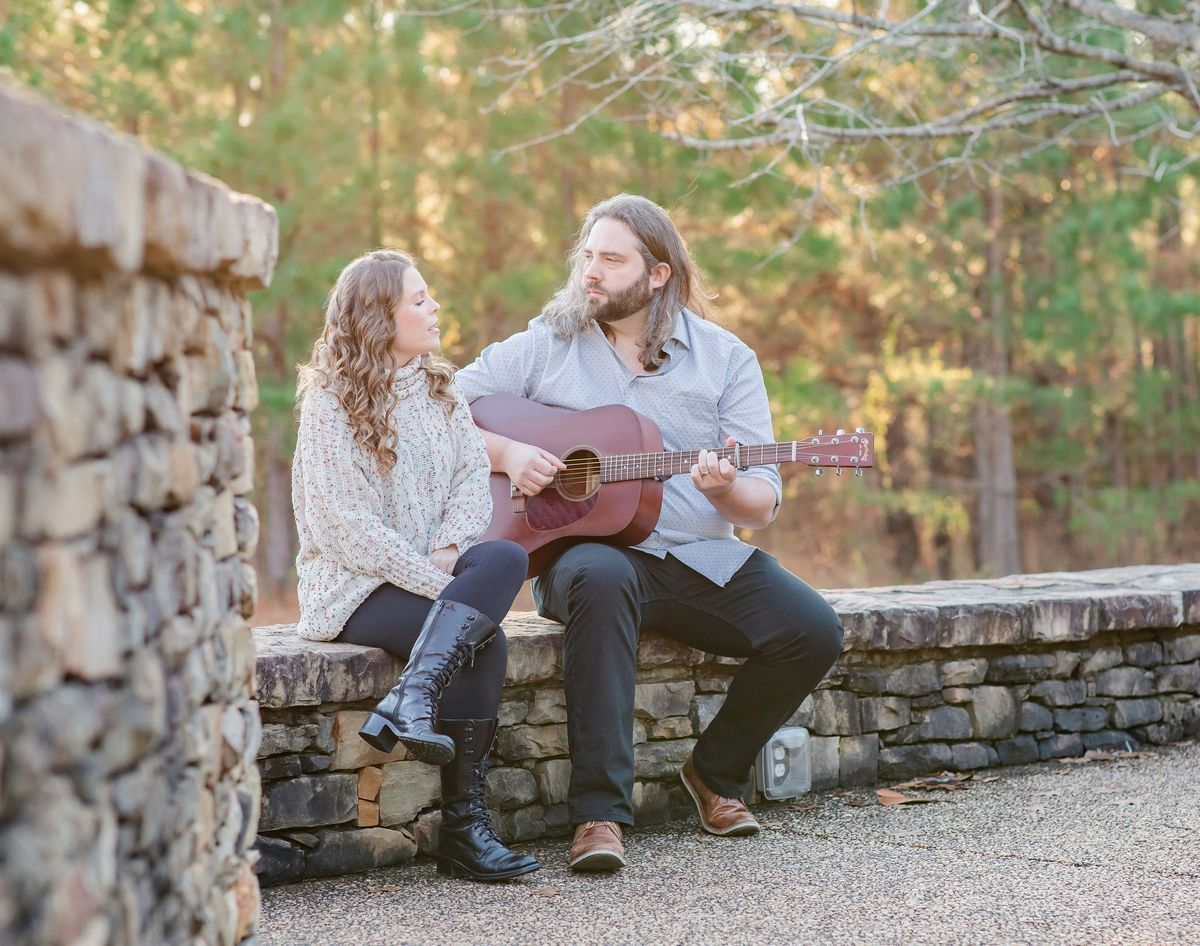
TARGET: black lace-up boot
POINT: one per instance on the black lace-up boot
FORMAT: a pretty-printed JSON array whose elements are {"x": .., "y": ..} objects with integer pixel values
[
  {"x": 449, "y": 638},
  {"x": 467, "y": 845}
]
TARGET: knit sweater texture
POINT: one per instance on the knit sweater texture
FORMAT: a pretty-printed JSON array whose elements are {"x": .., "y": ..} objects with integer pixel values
[{"x": 359, "y": 528}]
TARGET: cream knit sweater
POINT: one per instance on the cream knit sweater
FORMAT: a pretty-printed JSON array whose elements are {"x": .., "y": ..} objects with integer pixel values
[{"x": 359, "y": 529}]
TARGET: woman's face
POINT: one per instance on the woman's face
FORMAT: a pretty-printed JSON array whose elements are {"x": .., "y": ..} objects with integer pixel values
[{"x": 415, "y": 320}]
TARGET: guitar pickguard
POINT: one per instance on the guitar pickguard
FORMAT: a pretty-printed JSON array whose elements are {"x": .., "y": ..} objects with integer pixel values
[{"x": 550, "y": 510}]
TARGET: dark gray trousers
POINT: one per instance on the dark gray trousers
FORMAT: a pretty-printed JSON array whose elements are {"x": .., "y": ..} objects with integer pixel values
[{"x": 605, "y": 596}]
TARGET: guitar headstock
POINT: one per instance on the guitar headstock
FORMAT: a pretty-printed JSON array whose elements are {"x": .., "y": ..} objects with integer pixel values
[{"x": 840, "y": 450}]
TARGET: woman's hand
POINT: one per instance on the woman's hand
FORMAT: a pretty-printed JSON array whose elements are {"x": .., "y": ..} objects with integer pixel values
[{"x": 445, "y": 559}]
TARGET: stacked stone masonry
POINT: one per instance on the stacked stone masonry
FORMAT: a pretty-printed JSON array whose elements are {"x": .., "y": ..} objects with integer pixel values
[
  {"x": 129, "y": 793},
  {"x": 947, "y": 675}
]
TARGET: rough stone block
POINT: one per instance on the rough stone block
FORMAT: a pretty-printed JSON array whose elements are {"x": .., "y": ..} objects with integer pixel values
[
  {"x": 939, "y": 723},
  {"x": 972, "y": 755},
  {"x": 994, "y": 713},
  {"x": 1060, "y": 746},
  {"x": 656, "y": 700},
  {"x": 957, "y": 695},
  {"x": 658, "y": 651},
  {"x": 913, "y": 680},
  {"x": 1080, "y": 719},
  {"x": 1180, "y": 650},
  {"x": 351, "y": 750},
  {"x": 883, "y": 713},
  {"x": 673, "y": 727},
  {"x": 1124, "y": 681},
  {"x": 408, "y": 787},
  {"x": 867, "y": 680},
  {"x": 280, "y": 766},
  {"x": 1178, "y": 678},
  {"x": 532, "y": 742},
  {"x": 553, "y": 780},
  {"x": 534, "y": 653},
  {"x": 309, "y": 801},
  {"x": 1109, "y": 739},
  {"x": 351, "y": 851},
  {"x": 278, "y": 738},
  {"x": 368, "y": 813},
  {"x": 1145, "y": 654},
  {"x": 370, "y": 780},
  {"x": 712, "y": 683},
  {"x": 656, "y": 760},
  {"x": 1060, "y": 692},
  {"x": 651, "y": 803},
  {"x": 707, "y": 706},
  {"x": 1020, "y": 668},
  {"x": 1129, "y": 713},
  {"x": 826, "y": 762},
  {"x": 1072, "y": 617},
  {"x": 1035, "y": 718},
  {"x": 901, "y": 762},
  {"x": 1101, "y": 659},
  {"x": 835, "y": 713},
  {"x": 523, "y": 824},
  {"x": 279, "y": 861},
  {"x": 804, "y": 715},
  {"x": 858, "y": 760},
  {"x": 511, "y": 788},
  {"x": 961, "y": 673},
  {"x": 549, "y": 706},
  {"x": 1018, "y": 750}
]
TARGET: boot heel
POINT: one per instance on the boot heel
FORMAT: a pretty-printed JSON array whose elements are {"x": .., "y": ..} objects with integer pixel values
[
  {"x": 378, "y": 734},
  {"x": 447, "y": 868}
]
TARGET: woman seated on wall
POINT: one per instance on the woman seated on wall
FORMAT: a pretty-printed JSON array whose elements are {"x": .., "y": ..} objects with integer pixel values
[{"x": 390, "y": 490}]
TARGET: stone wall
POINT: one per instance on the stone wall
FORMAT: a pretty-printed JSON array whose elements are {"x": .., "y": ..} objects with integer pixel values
[
  {"x": 946, "y": 675},
  {"x": 128, "y": 731}
]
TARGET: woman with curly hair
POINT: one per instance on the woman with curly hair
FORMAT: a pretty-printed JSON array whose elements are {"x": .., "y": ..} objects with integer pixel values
[{"x": 390, "y": 491}]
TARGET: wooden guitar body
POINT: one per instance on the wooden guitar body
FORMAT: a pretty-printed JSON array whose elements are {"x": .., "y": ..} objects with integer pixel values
[{"x": 577, "y": 507}]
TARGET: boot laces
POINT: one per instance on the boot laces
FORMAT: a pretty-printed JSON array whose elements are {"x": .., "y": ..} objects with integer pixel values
[
  {"x": 476, "y": 800},
  {"x": 463, "y": 652}
]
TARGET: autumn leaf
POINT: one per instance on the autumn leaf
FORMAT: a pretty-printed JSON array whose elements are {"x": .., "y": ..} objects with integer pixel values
[{"x": 887, "y": 797}]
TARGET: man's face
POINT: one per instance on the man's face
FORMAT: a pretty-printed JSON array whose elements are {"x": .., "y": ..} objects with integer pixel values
[{"x": 614, "y": 274}]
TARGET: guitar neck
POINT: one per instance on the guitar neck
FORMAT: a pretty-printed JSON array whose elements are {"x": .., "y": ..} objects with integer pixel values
[{"x": 661, "y": 466}]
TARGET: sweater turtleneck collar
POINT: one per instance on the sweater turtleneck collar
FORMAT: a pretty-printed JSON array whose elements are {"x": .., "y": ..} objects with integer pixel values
[{"x": 407, "y": 374}]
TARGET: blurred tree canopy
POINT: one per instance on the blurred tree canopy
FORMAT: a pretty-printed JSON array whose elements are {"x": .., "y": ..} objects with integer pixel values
[{"x": 1020, "y": 325}]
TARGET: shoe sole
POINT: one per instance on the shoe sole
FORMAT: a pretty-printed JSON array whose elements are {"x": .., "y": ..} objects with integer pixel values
[
  {"x": 598, "y": 861},
  {"x": 448, "y": 867},
  {"x": 379, "y": 734},
  {"x": 743, "y": 829}
]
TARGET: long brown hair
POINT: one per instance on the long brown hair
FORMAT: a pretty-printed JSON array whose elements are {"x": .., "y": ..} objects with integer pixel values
[
  {"x": 658, "y": 242},
  {"x": 353, "y": 357}
]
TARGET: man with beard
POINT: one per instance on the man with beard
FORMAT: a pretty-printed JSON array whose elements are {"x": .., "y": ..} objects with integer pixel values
[{"x": 629, "y": 327}]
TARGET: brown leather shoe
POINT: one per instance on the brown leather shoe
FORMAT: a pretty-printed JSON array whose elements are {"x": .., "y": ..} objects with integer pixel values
[
  {"x": 597, "y": 846},
  {"x": 727, "y": 817}
]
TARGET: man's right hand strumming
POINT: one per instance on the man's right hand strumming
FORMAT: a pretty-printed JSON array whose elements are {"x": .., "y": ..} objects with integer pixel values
[{"x": 530, "y": 468}]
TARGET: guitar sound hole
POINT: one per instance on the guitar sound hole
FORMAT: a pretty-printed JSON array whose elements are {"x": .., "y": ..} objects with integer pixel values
[{"x": 581, "y": 478}]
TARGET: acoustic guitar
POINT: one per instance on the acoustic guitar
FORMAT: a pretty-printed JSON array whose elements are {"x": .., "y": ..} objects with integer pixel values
[{"x": 611, "y": 490}]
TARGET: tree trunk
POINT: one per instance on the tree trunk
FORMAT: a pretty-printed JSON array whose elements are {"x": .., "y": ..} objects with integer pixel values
[{"x": 999, "y": 538}]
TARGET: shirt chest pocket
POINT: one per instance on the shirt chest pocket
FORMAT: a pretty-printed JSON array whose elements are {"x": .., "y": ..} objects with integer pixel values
[{"x": 690, "y": 422}]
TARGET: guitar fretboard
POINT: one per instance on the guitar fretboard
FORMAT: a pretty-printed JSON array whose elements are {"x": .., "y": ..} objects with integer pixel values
[{"x": 641, "y": 466}]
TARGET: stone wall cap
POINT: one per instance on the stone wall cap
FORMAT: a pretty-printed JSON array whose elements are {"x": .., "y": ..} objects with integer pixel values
[{"x": 1047, "y": 607}]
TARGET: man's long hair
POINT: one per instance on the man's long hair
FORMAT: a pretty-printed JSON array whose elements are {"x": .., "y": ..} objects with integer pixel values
[
  {"x": 353, "y": 357},
  {"x": 659, "y": 242}
]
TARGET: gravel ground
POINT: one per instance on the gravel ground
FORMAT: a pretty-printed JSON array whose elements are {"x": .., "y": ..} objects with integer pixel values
[{"x": 1097, "y": 853}]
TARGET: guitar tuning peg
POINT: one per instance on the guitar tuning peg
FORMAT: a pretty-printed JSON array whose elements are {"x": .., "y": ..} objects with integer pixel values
[
  {"x": 840, "y": 431},
  {"x": 819, "y": 471},
  {"x": 837, "y": 471},
  {"x": 859, "y": 430},
  {"x": 858, "y": 472},
  {"x": 820, "y": 431}
]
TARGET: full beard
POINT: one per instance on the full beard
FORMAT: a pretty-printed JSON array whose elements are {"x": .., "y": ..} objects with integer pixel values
[{"x": 616, "y": 306}]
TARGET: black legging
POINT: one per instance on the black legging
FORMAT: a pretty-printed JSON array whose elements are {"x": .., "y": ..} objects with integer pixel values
[{"x": 487, "y": 578}]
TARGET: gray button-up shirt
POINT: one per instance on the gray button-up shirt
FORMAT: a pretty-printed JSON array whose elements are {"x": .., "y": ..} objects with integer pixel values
[{"x": 710, "y": 387}]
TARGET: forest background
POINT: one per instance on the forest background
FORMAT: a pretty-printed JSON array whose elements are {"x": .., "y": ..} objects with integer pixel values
[{"x": 1023, "y": 334}]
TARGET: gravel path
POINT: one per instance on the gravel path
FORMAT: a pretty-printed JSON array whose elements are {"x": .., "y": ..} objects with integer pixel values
[{"x": 1097, "y": 853}]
